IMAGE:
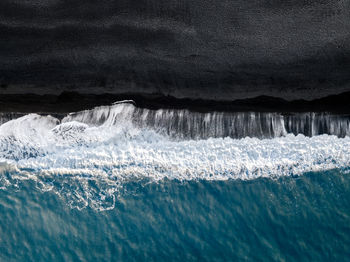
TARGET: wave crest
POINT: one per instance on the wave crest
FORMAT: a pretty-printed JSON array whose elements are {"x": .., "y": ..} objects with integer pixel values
[{"x": 90, "y": 156}]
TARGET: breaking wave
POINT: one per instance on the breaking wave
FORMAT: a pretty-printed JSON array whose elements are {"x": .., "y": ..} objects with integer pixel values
[{"x": 89, "y": 157}]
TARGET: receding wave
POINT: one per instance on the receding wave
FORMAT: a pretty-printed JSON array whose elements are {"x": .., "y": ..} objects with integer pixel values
[
  {"x": 193, "y": 125},
  {"x": 185, "y": 124},
  {"x": 88, "y": 157}
]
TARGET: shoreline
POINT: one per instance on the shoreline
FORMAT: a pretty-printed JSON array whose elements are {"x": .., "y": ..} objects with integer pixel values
[{"x": 72, "y": 102}]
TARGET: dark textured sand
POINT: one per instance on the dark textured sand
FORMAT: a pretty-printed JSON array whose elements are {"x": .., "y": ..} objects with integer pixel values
[{"x": 211, "y": 50}]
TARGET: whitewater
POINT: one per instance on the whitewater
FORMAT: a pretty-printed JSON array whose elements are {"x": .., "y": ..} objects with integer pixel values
[{"x": 89, "y": 157}]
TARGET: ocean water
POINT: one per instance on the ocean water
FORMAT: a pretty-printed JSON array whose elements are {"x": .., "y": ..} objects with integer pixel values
[
  {"x": 303, "y": 218},
  {"x": 119, "y": 184}
]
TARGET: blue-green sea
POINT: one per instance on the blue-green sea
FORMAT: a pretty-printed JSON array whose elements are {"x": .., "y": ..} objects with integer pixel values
[
  {"x": 121, "y": 183},
  {"x": 303, "y": 218}
]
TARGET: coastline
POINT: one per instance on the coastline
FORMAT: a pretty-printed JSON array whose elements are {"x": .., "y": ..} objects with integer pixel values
[{"x": 72, "y": 101}]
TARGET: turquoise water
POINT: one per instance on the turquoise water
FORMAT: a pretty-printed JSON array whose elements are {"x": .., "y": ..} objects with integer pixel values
[
  {"x": 303, "y": 218},
  {"x": 107, "y": 185}
]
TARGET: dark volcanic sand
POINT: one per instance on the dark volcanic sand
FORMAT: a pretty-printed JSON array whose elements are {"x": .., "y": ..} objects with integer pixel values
[
  {"x": 211, "y": 50},
  {"x": 70, "y": 102}
]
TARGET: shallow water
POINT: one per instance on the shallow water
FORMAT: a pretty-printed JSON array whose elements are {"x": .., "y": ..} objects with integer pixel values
[{"x": 303, "y": 218}]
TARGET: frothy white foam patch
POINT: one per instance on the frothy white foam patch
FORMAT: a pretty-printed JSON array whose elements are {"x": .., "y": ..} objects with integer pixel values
[{"x": 88, "y": 165}]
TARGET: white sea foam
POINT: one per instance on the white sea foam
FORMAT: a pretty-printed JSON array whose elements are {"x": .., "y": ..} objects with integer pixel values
[
  {"x": 89, "y": 163},
  {"x": 42, "y": 145},
  {"x": 185, "y": 124}
]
